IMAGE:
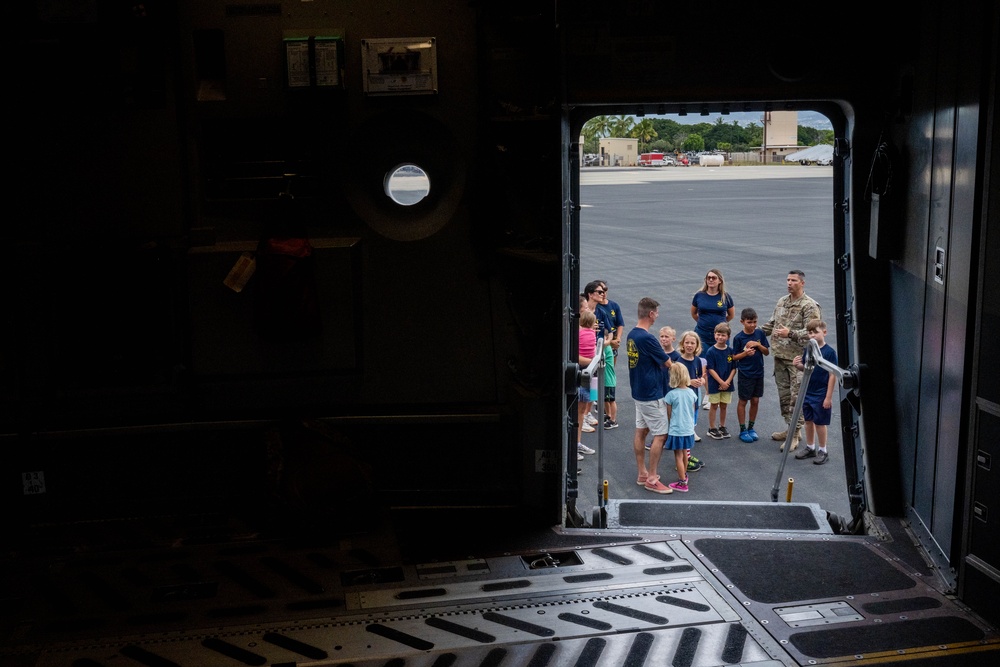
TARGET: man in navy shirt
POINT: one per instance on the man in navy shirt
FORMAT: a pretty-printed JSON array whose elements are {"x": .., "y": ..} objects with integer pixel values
[{"x": 646, "y": 361}]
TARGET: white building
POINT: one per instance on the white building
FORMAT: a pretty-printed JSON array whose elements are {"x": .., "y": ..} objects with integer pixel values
[{"x": 618, "y": 152}]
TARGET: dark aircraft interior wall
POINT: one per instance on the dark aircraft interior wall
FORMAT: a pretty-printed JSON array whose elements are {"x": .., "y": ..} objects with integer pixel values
[
  {"x": 932, "y": 280},
  {"x": 980, "y": 553},
  {"x": 933, "y": 233},
  {"x": 918, "y": 301},
  {"x": 161, "y": 142}
]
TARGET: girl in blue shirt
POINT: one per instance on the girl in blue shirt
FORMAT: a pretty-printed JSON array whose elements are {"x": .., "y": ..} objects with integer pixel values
[{"x": 680, "y": 401}]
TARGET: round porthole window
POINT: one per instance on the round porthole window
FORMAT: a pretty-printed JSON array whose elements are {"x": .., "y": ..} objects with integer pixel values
[
  {"x": 389, "y": 186},
  {"x": 407, "y": 184}
]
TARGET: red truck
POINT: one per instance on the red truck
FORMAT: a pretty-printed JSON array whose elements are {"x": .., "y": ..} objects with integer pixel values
[{"x": 656, "y": 160}]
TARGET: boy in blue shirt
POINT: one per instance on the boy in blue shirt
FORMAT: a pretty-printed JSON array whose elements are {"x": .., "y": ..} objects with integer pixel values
[
  {"x": 721, "y": 369},
  {"x": 750, "y": 346},
  {"x": 817, "y": 406}
]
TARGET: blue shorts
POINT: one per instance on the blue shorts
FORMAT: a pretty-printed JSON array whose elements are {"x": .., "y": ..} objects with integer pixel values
[
  {"x": 676, "y": 442},
  {"x": 583, "y": 395},
  {"x": 749, "y": 387},
  {"x": 813, "y": 411}
]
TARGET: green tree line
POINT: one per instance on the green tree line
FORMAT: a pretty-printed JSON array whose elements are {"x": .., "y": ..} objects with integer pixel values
[{"x": 669, "y": 136}]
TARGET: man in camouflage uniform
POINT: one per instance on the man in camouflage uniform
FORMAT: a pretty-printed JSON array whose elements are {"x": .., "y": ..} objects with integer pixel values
[{"x": 786, "y": 331}]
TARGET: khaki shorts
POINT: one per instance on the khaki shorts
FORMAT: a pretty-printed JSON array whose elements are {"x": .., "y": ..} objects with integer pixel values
[
  {"x": 652, "y": 415},
  {"x": 721, "y": 397}
]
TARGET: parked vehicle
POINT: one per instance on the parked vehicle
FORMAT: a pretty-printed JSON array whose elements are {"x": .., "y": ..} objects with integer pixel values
[{"x": 651, "y": 160}]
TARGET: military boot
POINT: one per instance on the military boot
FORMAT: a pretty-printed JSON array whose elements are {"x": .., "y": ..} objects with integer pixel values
[
  {"x": 795, "y": 441},
  {"x": 780, "y": 435}
]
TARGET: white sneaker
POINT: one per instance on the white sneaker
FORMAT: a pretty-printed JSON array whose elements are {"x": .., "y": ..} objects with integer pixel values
[
  {"x": 590, "y": 419},
  {"x": 705, "y": 404},
  {"x": 584, "y": 449},
  {"x": 579, "y": 456},
  {"x": 587, "y": 428}
]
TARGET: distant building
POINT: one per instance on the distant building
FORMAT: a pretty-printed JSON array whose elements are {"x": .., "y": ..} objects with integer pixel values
[
  {"x": 618, "y": 152},
  {"x": 781, "y": 135}
]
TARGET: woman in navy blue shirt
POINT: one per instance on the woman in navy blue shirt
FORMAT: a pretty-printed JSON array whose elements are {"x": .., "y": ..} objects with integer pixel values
[{"x": 710, "y": 306}]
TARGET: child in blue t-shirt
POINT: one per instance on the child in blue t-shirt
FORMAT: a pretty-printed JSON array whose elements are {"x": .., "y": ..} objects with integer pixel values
[
  {"x": 721, "y": 369},
  {"x": 689, "y": 347},
  {"x": 667, "y": 337},
  {"x": 817, "y": 405},
  {"x": 750, "y": 346},
  {"x": 680, "y": 401}
]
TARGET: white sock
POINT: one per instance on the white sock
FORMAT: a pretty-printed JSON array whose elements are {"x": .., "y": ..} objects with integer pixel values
[{"x": 823, "y": 448}]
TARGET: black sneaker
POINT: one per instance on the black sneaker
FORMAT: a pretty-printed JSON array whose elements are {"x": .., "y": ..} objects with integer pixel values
[
  {"x": 821, "y": 458},
  {"x": 694, "y": 465},
  {"x": 715, "y": 434},
  {"x": 725, "y": 432},
  {"x": 609, "y": 424},
  {"x": 808, "y": 453}
]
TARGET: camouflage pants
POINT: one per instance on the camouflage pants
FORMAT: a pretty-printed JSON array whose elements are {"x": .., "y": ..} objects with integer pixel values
[{"x": 788, "y": 379}]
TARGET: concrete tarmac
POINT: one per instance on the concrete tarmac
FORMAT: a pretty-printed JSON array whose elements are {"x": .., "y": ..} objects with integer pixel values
[{"x": 655, "y": 232}]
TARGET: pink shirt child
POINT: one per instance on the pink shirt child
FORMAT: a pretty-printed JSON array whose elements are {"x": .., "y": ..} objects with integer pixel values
[{"x": 588, "y": 342}]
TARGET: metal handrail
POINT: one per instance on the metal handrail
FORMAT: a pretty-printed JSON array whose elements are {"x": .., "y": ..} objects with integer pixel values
[
  {"x": 597, "y": 364},
  {"x": 811, "y": 357}
]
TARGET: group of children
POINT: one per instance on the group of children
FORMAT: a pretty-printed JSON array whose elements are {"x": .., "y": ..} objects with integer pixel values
[{"x": 715, "y": 370}]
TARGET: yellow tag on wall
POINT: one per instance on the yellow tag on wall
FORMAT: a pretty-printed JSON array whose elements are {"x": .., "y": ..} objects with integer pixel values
[{"x": 241, "y": 272}]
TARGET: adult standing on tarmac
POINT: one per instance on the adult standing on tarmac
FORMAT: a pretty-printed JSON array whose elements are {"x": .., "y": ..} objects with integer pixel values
[
  {"x": 711, "y": 305},
  {"x": 595, "y": 291},
  {"x": 614, "y": 313},
  {"x": 788, "y": 335},
  {"x": 646, "y": 361}
]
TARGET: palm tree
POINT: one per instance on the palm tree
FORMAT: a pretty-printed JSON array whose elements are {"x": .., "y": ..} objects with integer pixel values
[
  {"x": 644, "y": 132},
  {"x": 598, "y": 126},
  {"x": 622, "y": 125}
]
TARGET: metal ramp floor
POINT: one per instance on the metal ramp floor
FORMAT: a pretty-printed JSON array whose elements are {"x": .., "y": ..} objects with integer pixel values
[
  {"x": 683, "y": 598},
  {"x": 706, "y": 515}
]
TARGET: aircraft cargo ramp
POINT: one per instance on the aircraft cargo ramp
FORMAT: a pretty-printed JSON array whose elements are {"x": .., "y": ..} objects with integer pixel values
[{"x": 133, "y": 594}]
